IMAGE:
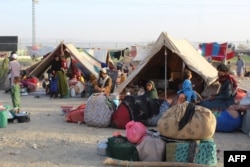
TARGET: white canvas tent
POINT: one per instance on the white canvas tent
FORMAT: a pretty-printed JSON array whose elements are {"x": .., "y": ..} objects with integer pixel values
[
  {"x": 86, "y": 63},
  {"x": 173, "y": 54}
]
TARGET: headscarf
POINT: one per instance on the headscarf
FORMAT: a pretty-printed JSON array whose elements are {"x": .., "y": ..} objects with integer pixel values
[
  {"x": 14, "y": 56},
  {"x": 152, "y": 94}
]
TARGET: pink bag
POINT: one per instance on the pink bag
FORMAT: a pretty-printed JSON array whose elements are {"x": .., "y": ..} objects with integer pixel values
[{"x": 135, "y": 131}]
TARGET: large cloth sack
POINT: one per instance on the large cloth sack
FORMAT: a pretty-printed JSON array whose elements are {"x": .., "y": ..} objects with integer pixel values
[
  {"x": 120, "y": 117},
  {"x": 152, "y": 149},
  {"x": 201, "y": 126},
  {"x": 137, "y": 106},
  {"x": 120, "y": 148},
  {"x": 98, "y": 111}
]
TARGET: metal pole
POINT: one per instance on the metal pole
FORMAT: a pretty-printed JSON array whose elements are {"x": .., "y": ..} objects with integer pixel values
[
  {"x": 225, "y": 56},
  {"x": 34, "y": 22},
  {"x": 248, "y": 46},
  {"x": 166, "y": 70}
]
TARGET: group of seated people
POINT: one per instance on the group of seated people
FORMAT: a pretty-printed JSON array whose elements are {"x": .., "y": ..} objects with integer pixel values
[
  {"x": 224, "y": 102},
  {"x": 227, "y": 108},
  {"x": 220, "y": 101}
]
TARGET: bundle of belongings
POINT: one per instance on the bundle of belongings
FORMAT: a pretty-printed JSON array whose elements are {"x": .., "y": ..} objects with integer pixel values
[
  {"x": 184, "y": 132},
  {"x": 98, "y": 111},
  {"x": 145, "y": 146},
  {"x": 138, "y": 108},
  {"x": 75, "y": 115},
  {"x": 184, "y": 135},
  {"x": 187, "y": 121},
  {"x": 103, "y": 111}
]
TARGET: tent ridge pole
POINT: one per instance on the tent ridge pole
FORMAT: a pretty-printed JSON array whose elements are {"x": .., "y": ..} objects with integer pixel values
[{"x": 165, "y": 55}]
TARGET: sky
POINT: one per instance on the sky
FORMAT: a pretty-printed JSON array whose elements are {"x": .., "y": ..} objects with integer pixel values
[{"x": 126, "y": 20}]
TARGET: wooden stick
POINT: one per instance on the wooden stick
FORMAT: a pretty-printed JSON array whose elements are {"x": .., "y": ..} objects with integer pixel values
[{"x": 116, "y": 162}]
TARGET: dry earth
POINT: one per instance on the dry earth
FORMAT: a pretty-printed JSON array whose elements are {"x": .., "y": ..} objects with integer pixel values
[{"x": 49, "y": 141}]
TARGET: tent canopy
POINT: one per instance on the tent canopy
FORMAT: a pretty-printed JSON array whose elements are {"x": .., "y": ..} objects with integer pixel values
[
  {"x": 176, "y": 54},
  {"x": 84, "y": 62}
]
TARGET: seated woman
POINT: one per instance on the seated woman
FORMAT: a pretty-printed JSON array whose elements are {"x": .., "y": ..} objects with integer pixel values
[
  {"x": 151, "y": 91},
  {"x": 225, "y": 97}
]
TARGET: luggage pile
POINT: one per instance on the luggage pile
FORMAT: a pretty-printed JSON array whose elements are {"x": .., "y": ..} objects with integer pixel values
[
  {"x": 96, "y": 112},
  {"x": 145, "y": 146},
  {"x": 102, "y": 111},
  {"x": 183, "y": 133}
]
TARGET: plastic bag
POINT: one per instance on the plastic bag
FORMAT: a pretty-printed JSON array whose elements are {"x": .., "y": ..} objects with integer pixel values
[{"x": 135, "y": 131}]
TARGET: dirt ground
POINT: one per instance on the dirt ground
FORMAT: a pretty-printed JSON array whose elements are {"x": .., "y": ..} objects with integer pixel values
[{"x": 49, "y": 141}]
